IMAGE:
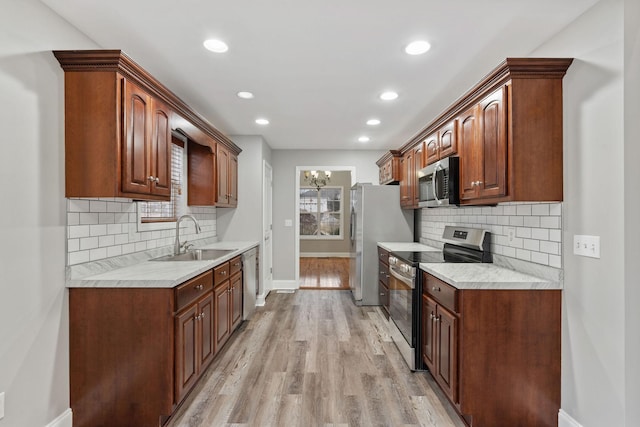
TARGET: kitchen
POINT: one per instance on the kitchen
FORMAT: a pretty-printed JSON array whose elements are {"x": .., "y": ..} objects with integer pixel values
[{"x": 599, "y": 377}]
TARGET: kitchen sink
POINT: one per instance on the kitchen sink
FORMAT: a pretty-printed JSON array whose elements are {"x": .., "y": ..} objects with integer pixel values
[{"x": 196, "y": 255}]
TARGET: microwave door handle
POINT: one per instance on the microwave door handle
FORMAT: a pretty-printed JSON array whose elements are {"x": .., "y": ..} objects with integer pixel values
[{"x": 435, "y": 183}]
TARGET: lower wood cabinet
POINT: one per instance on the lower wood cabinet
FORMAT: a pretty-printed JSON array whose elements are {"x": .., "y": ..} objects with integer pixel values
[
  {"x": 495, "y": 353},
  {"x": 228, "y": 304},
  {"x": 135, "y": 353}
]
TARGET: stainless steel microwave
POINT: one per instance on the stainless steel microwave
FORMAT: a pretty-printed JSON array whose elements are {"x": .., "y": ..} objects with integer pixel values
[{"x": 438, "y": 183}]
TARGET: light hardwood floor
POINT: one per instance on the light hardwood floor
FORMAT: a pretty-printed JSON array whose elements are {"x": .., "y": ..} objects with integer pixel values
[
  {"x": 324, "y": 273},
  {"x": 313, "y": 358}
]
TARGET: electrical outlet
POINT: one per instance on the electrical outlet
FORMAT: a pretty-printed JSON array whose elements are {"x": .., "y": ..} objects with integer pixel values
[
  {"x": 288, "y": 223},
  {"x": 511, "y": 233},
  {"x": 588, "y": 246},
  {"x": 1, "y": 405}
]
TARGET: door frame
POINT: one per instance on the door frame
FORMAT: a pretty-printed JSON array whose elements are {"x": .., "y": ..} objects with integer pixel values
[
  {"x": 299, "y": 170},
  {"x": 266, "y": 279}
]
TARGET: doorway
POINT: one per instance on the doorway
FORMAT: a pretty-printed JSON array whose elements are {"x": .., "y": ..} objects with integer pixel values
[{"x": 322, "y": 226}]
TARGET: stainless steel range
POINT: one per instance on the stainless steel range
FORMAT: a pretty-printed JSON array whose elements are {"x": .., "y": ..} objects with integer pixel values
[{"x": 462, "y": 244}]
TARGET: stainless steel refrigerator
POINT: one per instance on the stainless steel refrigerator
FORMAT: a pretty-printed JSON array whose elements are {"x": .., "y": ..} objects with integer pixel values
[{"x": 375, "y": 217}]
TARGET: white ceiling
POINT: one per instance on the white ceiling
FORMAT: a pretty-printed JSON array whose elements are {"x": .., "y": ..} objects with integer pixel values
[{"x": 316, "y": 67}]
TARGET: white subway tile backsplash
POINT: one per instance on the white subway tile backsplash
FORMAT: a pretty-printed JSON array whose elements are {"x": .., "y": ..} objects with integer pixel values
[
  {"x": 97, "y": 206},
  {"x": 538, "y": 228},
  {"x": 101, "y": 228},
  {"x": 76, "y": 231}
]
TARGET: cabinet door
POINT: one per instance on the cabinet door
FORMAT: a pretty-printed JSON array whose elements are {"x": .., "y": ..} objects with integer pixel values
[
  {"x": 469, "y": 152},
  {"x": 187, "y": 360},
  {"x": 418, "y": 163},
  {"x": 406, "y": 184},
  {"x": 236, "y": 300},
  {"x": 448, "y": 144},
  {"x": 201, "y": 175},
  {"x": 428, "y": 333},
  {"x": 221, "y": 310},
  {"x": 447, "y": 352},
  {"x": 431, "y": 148},
  {"x": 493, "y": 146},
  {"x": 161, "y": 149},
  {"x": 223, "y": 176},
  {"x": 233, "y": 180},
  {"x": 136, "y": 166},
  {"x": 206, "y": 336}
]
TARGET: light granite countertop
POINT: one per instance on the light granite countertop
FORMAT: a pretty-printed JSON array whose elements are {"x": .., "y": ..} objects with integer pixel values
[
  {"x": 407, "y": 247},
  {"x": 486, "y": 276},
  {"x": 156, "y": 274}
]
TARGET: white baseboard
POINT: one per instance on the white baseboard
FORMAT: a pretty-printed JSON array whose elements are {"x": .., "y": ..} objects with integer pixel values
[
  {"x": 284, "y": 284},
  {"x": 324, "y": 254},
  {"x": 565, "y": 420},
  {"x": 64, "y": 420},
  {"x": 261, "y": 299}
]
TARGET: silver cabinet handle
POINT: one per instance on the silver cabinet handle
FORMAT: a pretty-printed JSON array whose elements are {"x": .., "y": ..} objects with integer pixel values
[
  {"x": 435, "y": 288},
  {"x": 431, "y": 316},
  {"x": 157, "y": 180},
  {"x": 436, "y": 318},
  {"x": 151, "y": 178},
  {"x": 202, "y": 315}
]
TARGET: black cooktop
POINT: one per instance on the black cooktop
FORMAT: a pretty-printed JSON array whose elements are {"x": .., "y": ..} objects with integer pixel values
[{"x": 450, "y": 253}]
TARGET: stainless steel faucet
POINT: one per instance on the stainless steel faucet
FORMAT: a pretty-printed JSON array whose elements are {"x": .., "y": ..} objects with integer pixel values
[{"x": 178, "y": 247}]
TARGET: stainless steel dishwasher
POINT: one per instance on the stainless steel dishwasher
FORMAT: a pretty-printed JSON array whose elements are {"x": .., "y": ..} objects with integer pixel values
[{"x": 250, "y": 281}]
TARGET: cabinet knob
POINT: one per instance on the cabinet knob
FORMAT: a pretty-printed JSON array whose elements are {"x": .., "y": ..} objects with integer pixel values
[
  {"x": 436, "y": 318},
  {"x": 381, "y": 294},
  {"x": 435, "y": 288},
  {"x": 431, "y": 316},
  {"x": 202, "y": 315},
  {"x": 157, "y": 180},
  {"x": 223, "y": 272},
  {"x": 151, "y": 178}
]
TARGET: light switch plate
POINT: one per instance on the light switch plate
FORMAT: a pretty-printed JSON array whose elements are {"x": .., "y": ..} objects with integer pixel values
[
  {"x": 588, "y": 246},
  {"x": 1, "y": 405}
]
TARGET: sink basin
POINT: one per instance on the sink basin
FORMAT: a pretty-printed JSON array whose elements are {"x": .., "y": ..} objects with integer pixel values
[{"x": 196, "y": 255}]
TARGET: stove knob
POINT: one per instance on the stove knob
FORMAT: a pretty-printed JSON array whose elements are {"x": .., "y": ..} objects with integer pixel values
[
  {"x": 404, "y": 268},
  {"x": 392, "y": 260}
]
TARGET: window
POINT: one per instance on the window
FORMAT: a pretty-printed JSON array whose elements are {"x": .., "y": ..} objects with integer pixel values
[
  {"x": 321, "y": 213},
  {"x": 166, "y": 211}
]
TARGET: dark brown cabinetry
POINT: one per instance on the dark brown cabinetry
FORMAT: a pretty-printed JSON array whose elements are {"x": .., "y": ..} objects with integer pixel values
[
  {"x": 118, "y": 123},
  {"x": 146, "y": 155},
  {"x": 507, "y": 131},
  {"x": 440, "y": 334},
  {"x": 441, "y": 144},
  {"x": 383, "y": 279},
  {"x": 228, "y": 300},
  {"x": 485, "y": 348},
  {"x": 135, "y": 353},
  {"x": 201, "y": 175},
  {"x": 389, "y": 168},
  {"x": 407, "y": 183},
  {"x": 194, "y": 347},
  {"x": 483, "y": 164},
  {"x": 227, "y": 178}
]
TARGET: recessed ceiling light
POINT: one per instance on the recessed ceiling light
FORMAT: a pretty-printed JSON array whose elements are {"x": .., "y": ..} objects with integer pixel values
[
  {"x": 245, "y": 95},
  {"x": 217, "y": 46},
  {"x": 364, "y": 139},
  {"x": 262, "y": 121},
  {"x": 388, "y": 96},
  {"x": 373, "y": 122},
  {"x": 417, "y": 47}
]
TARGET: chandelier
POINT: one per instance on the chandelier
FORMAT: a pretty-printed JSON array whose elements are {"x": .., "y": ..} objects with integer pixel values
[{"x": 317, "y": 178}]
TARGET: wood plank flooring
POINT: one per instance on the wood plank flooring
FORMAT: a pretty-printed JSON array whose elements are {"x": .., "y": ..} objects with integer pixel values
[
  {"x": 324, "y": 273},
  {"x": 313, "y": 358}
]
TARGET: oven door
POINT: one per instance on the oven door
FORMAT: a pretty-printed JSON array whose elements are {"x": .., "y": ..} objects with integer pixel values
[{"x": 401, "y": 303}]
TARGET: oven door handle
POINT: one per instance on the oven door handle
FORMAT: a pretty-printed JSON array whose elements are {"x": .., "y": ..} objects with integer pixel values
[{"x": 401, "y": 278}]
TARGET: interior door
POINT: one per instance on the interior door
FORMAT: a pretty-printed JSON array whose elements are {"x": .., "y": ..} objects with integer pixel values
[{"x": 267, "y": 243}]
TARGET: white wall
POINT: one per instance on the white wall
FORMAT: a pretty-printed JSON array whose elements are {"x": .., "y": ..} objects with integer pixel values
[
  {"x": 34, "y": 354},
  {"x": 632, "y": 208},
  {"x": 284, "y": 187},
  {"x": 593, "y": 330}
]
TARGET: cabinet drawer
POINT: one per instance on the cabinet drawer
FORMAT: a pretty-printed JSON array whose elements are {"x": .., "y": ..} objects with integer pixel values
[
  {"x": 383, "y": 273},
  {"x": 220, "y": 273},
  {"x": 235, "y": 265},
  {"x": 442, "y": 292},
  {"x": 383, "y": 256},
  {"x": 190, "y": 291}
]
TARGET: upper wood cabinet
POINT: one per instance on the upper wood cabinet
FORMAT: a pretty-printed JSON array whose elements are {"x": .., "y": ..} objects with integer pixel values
[
  {"x": 202, "y": 188},
  {"x": 227, "y": 178},
  {"x": 146, "y": 155},
  {"x": 389, "y": 168},
  {"x": 407, "y": 182},
  {"x": 118, "y": 124},
  {"x": 507, "y": 131},
  {"x": 441, "y": 144}
]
